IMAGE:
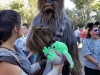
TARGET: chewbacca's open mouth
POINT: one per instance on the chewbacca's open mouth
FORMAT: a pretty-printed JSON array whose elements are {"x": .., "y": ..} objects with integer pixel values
[{"x": 48, "y": 8}]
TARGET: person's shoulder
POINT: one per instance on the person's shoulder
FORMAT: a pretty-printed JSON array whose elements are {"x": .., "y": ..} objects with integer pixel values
[
  {"x": 75, "y": 30},
  {"x": 98, "y": 39},
  {"x": 86, "y": 40},
  {"x": 78, "y": 30},
  {"x": 9, "y": 69},
  {"x": 19, "y": 39},
  {"x": 4, "y": 53}
]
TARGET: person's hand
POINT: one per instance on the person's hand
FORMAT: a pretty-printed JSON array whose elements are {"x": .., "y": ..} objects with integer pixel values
[
  {"x": 58, "y": 68},
  {"x": 42, "y": 63},
  {"x": 98, "y": 66}
]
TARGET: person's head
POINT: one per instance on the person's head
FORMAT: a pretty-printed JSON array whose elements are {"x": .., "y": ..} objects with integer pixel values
[
  {"x": 93, "y": 31},
  {"x": 84, "y": 28},
  {"x": 10, "y": 25},
  {"x": 49, "y": 8},
  {"x": 25, "y": 29},
  {"x": 77, "y": 28},
  {"x": 39, "y": 38}
]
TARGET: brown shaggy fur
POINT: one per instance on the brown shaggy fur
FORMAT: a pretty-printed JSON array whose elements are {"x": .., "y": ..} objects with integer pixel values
[
  {"x": 54, "y": 18},
  {"x": 55, "y": 12},
  {"x": 41, "y": 37},
  {"x": 47, "y": 17}
]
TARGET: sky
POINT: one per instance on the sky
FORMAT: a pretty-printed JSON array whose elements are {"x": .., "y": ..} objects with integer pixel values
[{"x": 69, "y": 4}]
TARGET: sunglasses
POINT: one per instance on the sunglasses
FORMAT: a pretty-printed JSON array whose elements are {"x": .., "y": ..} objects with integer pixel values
[{"x": 95, "y": 30}]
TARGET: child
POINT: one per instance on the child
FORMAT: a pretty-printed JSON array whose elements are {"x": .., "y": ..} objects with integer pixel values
[{"x": 35, "y": 43}]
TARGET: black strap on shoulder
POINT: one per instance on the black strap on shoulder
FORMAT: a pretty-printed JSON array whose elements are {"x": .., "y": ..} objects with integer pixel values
[{"x": 11, "y": 59}]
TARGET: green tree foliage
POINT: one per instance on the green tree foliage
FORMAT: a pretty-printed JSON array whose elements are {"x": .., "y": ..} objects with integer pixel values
[
  {"x": 72, "y": 16},
  {"x": 32, "y": 9},
  {"x": 96, "y": 9},
  {"x": 84, "y": 9},
  {"x": 26, "y": 8},
  {"x": 4, "y": 5}
]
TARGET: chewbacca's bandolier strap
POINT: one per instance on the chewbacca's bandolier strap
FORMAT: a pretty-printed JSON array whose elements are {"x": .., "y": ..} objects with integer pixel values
[{"x": 59, "y": 34}]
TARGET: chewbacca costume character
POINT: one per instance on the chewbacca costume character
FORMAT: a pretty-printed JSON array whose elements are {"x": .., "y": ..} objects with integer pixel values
[{"x": 52, "y": 16}]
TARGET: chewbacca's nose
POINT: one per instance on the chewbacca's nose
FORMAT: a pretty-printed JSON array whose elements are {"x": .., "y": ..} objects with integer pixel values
[
  {"x": 48, "y": 1},
  {"x": 47, "y": 4}
]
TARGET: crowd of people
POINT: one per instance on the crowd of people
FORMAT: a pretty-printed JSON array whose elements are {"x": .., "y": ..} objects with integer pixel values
[
  {"x": 80, "y": 34},
  {"x": 12, "y": 58},
  {"x": 13, "y": 37},
  {"x": 90, "y": 47},
  {"x": 21, "y": 46},
  {"x": 91, "y": 50}
]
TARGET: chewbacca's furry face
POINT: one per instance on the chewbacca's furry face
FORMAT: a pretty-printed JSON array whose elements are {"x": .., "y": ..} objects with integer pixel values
[{"x": 50, "y": 6}]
